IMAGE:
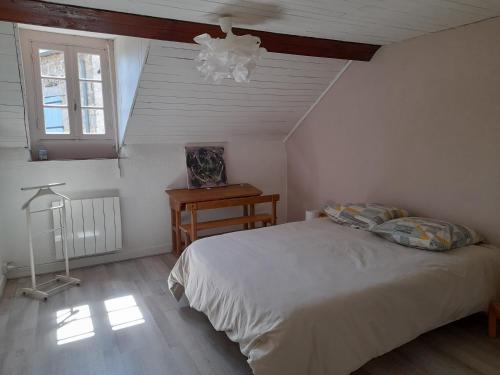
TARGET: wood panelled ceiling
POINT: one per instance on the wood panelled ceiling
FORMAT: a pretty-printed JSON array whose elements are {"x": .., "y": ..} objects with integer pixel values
[
  {"x": 12, "y": 133},
  {"x": 49, "y": 14},
  {"x": 366, "y": 21},
  {"x": 174, "y": 102}
]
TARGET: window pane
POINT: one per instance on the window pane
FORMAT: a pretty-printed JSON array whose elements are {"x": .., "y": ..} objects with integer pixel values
[
  {"x": 89, "y": 66},
  {"x": 91, "y": 94},
  {"x": 54, "y": 91},
  {"x": 93, "y": 121},
  {"x": 52, "y": 63},
  {"x": 56, "y": 120}
]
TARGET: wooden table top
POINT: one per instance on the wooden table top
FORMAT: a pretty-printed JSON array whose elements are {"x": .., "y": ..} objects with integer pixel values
[{"x": 183, "y": 196}]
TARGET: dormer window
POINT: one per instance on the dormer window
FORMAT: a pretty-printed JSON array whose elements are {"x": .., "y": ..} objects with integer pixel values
[{"x": 70, "y": 95}]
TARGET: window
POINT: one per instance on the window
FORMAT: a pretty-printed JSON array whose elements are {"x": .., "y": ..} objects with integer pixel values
[{"x": 70, "y": 95}]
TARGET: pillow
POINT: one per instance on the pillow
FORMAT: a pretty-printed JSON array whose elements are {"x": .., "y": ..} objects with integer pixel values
[
  {"x": 332, "y": 210},
  {"x": 363, "y": 216},
  {"x": 427, "y": 234}
]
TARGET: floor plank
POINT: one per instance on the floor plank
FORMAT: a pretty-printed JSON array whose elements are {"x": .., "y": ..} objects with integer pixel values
[{"x": 137, "y": 327}]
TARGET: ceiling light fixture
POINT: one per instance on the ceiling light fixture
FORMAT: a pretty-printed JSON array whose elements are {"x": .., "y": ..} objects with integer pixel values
[{"x": 234, "y": 56}]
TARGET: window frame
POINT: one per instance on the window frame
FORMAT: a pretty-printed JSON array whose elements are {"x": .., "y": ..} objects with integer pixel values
[{"x": 71, "y": 45}]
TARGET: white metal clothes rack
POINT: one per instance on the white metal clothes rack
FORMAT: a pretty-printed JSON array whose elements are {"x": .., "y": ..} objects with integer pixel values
[{"x": 46, "y": 289}]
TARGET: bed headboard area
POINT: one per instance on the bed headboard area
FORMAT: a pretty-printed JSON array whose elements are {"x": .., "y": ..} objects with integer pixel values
[{"x": 416, "y": 127}]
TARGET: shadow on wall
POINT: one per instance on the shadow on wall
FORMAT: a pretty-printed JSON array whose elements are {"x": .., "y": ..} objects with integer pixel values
[{"x": 179, "y": 182}]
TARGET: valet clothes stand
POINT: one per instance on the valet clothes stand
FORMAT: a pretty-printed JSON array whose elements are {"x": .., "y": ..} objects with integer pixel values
[{"x": 62, "y": 281}]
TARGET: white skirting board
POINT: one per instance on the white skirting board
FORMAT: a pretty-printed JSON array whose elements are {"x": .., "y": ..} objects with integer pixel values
[{"x": 91, "y": 260}]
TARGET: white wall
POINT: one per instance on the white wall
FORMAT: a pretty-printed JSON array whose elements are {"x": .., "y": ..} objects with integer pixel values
[
  {"x": 2, "y": 276},
  {"x": 12, "y": 130},
  {"x": 146, "y": 172},
  {"x": 130, "y": 54},
  {"x": 418, "y": 127}
]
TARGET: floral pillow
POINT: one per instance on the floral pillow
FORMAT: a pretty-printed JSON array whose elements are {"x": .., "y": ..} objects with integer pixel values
[
  {"x": 363, "y": 216},
  {"x": 427, "y": 234}
]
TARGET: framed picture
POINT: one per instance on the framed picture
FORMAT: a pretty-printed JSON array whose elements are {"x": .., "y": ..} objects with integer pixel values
[{"x": 205, "y": 166}]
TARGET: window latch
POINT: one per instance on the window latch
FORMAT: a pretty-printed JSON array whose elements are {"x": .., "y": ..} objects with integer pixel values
[{"x": 74, "y": 107}]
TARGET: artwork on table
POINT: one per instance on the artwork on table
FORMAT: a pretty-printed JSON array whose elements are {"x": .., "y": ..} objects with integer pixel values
[{"x": 205, "y": 166}]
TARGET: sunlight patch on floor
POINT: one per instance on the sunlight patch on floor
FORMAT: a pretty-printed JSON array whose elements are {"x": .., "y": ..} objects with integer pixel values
[
  {"x": 123, "y": 312},
  {"x": 74, "y": 324}
]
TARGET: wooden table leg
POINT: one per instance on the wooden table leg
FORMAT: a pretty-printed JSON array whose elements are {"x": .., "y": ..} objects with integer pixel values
[
  {"x": 173, "y": 230},
  {"x": 194, "y": 225},
  {"x": 245, "y": 213},
  {"x": 252, "y": 213},
  {"x": 178, "y": 238},
  {"x": 492, "y": 326}
]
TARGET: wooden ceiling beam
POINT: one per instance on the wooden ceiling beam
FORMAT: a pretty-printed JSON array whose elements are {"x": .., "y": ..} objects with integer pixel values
[{"x": 43, "y": 13}]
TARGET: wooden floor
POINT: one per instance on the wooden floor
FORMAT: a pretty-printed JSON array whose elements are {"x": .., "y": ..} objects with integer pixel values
[{"x": 125, "y": 321}]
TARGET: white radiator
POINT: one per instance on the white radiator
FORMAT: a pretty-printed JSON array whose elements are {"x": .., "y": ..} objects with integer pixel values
[{"x": 93, "y": 225}]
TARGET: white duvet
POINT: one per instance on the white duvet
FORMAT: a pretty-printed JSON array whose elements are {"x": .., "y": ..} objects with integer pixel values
[{"x": 315, "y": 297}]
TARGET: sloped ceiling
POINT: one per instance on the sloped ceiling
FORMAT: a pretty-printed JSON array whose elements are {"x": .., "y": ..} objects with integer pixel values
[
  {"x": 174, "y": 101},
  {"x": 12, "y": 132},
  {"x": 369, "y": 21}
]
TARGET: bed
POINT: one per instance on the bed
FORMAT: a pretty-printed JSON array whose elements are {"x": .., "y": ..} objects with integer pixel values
[{"x": 315, "y": 297}]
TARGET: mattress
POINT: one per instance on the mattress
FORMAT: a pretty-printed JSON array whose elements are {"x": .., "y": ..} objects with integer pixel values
[{"x": 315, "y": 297}]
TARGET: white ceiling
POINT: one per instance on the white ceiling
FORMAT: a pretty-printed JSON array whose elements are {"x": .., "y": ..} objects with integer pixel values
[
  {"x": 12, "y": 133},
  {"x": 174, "y": 101},
  {"x": 369, "y": 21}
]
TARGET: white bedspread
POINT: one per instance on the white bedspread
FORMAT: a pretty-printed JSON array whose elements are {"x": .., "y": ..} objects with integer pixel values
[{"x": 315, "y": 297}]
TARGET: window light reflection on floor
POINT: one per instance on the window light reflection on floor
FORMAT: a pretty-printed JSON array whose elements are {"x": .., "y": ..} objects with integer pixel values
[
  {"x": 123, "y": 312},
  {"x": 74, "y": 324}
]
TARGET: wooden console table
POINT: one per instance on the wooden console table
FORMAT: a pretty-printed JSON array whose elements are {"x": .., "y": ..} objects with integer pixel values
[{"x": 179, "y": 198}]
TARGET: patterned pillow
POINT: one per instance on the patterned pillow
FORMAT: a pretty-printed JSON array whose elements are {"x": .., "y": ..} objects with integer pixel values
[
  {"x": 332, "y": 210},
  {"x": 363, "y": 216},
  {"x": 427, "y": 234}
]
